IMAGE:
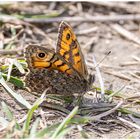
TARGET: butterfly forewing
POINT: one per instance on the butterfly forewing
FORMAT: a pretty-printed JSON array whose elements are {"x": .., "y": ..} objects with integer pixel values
[
  {"x": 68, "y": 47},
  {"x": 41, "y": 57}
]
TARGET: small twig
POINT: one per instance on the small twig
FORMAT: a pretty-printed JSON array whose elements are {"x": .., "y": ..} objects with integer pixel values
[
  {"x": 134, "y": 75},
  {"x": 133, "y": 97},
  {"x": 105, "y": 68},
  {"x": 55, "y": 107},
  {"x": 122, "y": 76},
  {"x": 86, "y": 31},
  {"x": 10, "y": 52},
  {"x": 136, "y": 58},
  {"x": 129, "y": 123},
  {"x": 111, "y": 67},
  {"x": 127, "y": 134},
  {"x": 127, "y": 34},
  {"x": 129, "y": 63}
]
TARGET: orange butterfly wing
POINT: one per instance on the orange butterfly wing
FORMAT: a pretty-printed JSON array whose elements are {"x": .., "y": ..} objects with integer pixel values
[
  {"x": 42, "y": 57},
  {"x": 68, "y": 47}
]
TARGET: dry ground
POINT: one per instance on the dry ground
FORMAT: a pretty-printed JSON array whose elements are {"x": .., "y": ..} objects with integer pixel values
[{"x": 121, "y": 68}]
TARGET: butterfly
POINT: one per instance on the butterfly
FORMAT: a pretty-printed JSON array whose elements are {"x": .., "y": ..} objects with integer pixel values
[{"x": 62, "y": 71}]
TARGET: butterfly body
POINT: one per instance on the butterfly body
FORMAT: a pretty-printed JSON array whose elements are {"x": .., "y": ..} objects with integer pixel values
[{"x": 61, "y": 72}]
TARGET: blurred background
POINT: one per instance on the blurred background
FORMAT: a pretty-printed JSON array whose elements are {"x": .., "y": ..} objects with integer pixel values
[{"x": 100, "y": 27}]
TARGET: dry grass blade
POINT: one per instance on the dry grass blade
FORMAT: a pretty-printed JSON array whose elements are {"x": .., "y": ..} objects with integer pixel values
[
  {"x": 114, "y": 93},
  {"x": 10, "y": 52},
  {"x": 127, "y": 34},
  {"x": 129, "y": 123},
  {"x": 134, "y": 75},
  {"x": 135, "y": 119},
  {"x": 109, "y": 112},
  {"x": 100, "y": 78},
  {"x": 7, "y": 18},
  {"x": 98, "y": 117},
  {"x": 18, "y": 97},
  {"x": 136, "y": 58},
  {"x": 17, "y": 64},
  {"x": 118, "y": 74},
  {"x": 65, "y": 122},
  {"x": 86, "y": 31},
  {"x": 87, "y": 19},
  {"x": 129, "y": 63},
  {"x": 26, "y": 125}
]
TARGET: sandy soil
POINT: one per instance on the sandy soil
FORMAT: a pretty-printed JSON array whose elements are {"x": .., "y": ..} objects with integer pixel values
[{"x": 119, "y": 68}]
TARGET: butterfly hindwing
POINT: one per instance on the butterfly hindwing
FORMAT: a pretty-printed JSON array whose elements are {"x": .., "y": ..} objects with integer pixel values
[{"x": 68, "y": 47}]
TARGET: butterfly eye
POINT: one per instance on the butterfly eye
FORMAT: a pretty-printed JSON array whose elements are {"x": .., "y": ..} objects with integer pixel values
[
  {"x": 41, "y": 55},
  {"x": 68, "y": 36}
]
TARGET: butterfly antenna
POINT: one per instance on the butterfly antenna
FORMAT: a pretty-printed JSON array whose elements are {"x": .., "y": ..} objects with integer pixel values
[{"x": 102, "y": 59}]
